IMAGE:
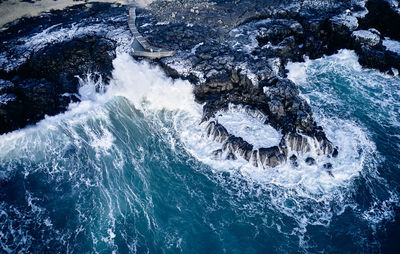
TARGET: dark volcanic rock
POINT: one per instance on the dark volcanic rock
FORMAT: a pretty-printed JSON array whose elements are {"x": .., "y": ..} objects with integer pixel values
[
  {"x": 234, "y": 52},
  {"x": 39, "y": 64},
  {"x": 293, "y": 160},
  {"x": 310, "y": 161},
  {"x": 382, "y": 17},
  {"x": 217, "y": 132},
  {"x": 335, "y": 152},
  {"x": 41, "y": 83},
  {"x": 270, "y": 157},
  {"x": 238, "y": 146},
  {"x": 276, "y": 98},
  {"x": 61, "y": 63},
  {"x": 242, "y": 61}
]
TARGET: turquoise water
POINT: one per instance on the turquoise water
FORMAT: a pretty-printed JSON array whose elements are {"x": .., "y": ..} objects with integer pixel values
[{"x": 129, "y": 170}]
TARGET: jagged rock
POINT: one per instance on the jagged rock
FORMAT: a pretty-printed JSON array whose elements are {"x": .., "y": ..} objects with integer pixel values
[
  {"x": 293, "y": 160},
  {"x": 372, "y": 57},
  {"x": 382, "y": 17},
  {"x": 270, "y": 157},
  {"x": 344, "y": 23},
  {"x": 59, "y": 64},
  {"x": 43, "y": 71},
  {"x": 335, "y": 152},
  {"x": 5, "y": 85},
  {"x": 327, "y": 165},
  {"x": 278, "y": 100},
  {"x": 217, "y": 153},
  {"x": 322, "y": 143},
  {"x": 298, "y": 143},
  {"x": 231, "y": 156},
  {"x": 310, "y": 161},
  {"x": 225, "y": 73},
  {"x": 31, "y": 100},
  {"x": 366, "y": 37},
  {"x": 238, "y": 146},
  {"x": 217, "y": 132},
  {"x": 277, "y": 28}
]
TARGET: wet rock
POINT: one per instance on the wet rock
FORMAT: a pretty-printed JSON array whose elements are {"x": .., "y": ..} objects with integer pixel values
[
  {"x": 32, "y": 100},
  {"x": 344, "y": 23},
  {"x": 270, "y": 157},
  {"x": 324, "y": 146},
  {"x": 238, "y": 146},
  {"x": 278, "y": 28},
  {"x": 254, "y": 158},
  {"x": 5, "y": 85},
  {"x": 279, "y": 101},
  {"x": 217, "y": 153},
  {"x": 335, "y": 152},
  {"x": 40, "y": 83},
  {"x": 231, "y": 156},
  {"x": 40, "y": 64},
  {"x": 297, "y": 143},
  {"x": 327, "y": 165},
  {"x": 366, "y": 37},
  {"x": 382, "y": 17},
  {"x": 293, "y": 160},
  {"x": 310, "y": 161},
  {"x": 217, "y": 132},
  {"x": 375, "y": 58}
]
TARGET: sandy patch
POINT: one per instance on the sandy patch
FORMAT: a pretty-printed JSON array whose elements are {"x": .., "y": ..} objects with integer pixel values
[{"x": 11, "y": 10}]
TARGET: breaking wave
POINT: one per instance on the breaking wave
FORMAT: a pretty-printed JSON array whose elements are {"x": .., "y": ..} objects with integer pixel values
[{"x": 130, "y": 169}]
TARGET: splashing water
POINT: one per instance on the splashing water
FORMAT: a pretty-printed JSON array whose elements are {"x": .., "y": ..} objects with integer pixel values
[{"x": 129, "y": 170}]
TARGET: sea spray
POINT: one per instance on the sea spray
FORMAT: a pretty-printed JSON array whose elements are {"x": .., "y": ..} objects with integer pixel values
[
  {"x": 338, "y": 87},
  {"x": 130, "y": 169},
  {"x": 146, "y": 86}
]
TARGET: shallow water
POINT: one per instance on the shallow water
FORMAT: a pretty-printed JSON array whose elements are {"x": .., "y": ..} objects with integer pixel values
[{"x": 129, "y": 170}]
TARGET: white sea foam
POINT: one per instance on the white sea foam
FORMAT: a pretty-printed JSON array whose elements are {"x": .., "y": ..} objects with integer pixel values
[
  {"x": 369, "y": 85},
  {"x": 364, "y": 93},
  {"x": 306, "y": 194},
  {"x": 391, "y": 45},
  {"x": 352, "y": 140},
  {"x": 251, "y": 128},
  {"x": 57, "y": 34},
  {"x": 382, "y": 211},
  {"x": 131, "y": 80}
]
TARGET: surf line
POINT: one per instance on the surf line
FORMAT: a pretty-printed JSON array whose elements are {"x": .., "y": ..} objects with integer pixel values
[{"x": 139, "y": 45}]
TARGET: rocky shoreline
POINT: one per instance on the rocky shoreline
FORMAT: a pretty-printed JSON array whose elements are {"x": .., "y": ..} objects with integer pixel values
[{"x": 234, "y": 52}]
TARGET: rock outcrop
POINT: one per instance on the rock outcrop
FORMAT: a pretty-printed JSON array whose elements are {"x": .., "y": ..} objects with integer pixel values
[
  {"x": 234, "y": 52},
  {"x": 39, "y": 72},
  {"x": 47, "y": 83},
  {"x": 279, "y": 101}
]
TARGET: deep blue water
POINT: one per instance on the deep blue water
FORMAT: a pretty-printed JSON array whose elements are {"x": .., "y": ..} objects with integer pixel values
[{"x": 117, "y": 173}]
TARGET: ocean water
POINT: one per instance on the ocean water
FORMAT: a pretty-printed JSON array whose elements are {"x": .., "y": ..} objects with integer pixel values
[{"x": 129, "y": 170}]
